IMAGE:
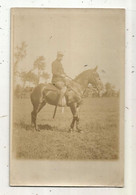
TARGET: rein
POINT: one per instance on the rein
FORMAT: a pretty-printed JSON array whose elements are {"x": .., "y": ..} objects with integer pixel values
[{"x": 81, "y": 94}]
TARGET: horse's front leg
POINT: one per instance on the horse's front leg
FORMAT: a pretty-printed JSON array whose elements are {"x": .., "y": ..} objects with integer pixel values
[
  {"x": 77, "y": 124},
  {"x": 74, "y": 110},
  {"x": 77, "y": 120},
  {"x": 72, "y": 124}
]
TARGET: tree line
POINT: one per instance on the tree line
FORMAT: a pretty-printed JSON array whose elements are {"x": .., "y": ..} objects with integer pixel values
[
  {"x": 28, "y": 76},
  {"x": 109, "y": 91},
  {"x": 40, "y": 65}
]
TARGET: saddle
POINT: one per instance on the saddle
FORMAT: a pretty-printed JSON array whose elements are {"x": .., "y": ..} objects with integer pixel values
[{"x": 53, "y": 93}]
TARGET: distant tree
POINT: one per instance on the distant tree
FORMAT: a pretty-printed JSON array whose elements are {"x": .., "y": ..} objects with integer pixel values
[
  {"x": 39, "y": 63},
  {"x": 28, "y": 76},
  {"x": 32, "y": 77},
  {"x": 19, "y": 55},
  {"x": 109, "y": 90},
  {"x": 23, "y": 76},
  {"x": 45, "y": 75},
  {"x": 117, "y": 93},
  {"x": 18, "y": 91}
]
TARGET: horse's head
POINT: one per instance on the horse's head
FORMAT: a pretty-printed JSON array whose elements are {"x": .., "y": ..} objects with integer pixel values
[{"x": 95, "y": 80}]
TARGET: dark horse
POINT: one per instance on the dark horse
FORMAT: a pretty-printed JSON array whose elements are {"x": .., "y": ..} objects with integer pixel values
[{"x": 47, "y": 93}]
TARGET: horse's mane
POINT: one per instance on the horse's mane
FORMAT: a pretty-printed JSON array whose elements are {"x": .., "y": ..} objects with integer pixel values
[{"x": 82, "y": 73}]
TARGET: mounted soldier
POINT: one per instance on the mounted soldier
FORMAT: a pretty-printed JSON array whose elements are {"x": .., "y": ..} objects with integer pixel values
[
  {"x": 72, "y": 92},
  {"x": 59, "y": 78}
]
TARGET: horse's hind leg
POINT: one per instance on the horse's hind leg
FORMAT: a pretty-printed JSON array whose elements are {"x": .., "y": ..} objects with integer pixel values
[
  {"x": 34, "y": 114},
  {"x": 33, "y": 118},
  {"x": 38, "y": 101},
  {"x": 41, "y": 106}
]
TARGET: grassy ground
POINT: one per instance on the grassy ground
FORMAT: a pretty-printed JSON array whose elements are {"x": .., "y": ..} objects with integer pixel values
[{"x": 99, "y": 140}]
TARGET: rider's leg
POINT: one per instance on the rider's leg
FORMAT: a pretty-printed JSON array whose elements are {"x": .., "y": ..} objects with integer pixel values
[{"x": 63, "y": 88}]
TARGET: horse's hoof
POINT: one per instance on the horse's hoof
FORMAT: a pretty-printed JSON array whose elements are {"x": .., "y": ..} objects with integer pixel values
[
  {"x": 37, "y": 129},
  {"x": 32, "y": 126},
  {"x": 70, "y": 130},
  {"x": 79, "y": 130}
]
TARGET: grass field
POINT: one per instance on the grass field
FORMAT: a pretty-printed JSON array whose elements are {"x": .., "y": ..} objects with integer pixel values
[{"x": 99, "y": 120}]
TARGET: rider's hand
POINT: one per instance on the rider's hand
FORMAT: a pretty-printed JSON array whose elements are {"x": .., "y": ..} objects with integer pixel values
[{"x": 63, "y": 75}]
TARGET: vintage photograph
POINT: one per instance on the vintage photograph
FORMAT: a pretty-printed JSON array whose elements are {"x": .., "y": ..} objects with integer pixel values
[{"x": 67, "y": 86}]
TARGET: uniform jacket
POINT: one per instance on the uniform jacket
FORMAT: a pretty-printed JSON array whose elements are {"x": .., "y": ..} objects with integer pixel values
[{"x": 57, "y": 71}]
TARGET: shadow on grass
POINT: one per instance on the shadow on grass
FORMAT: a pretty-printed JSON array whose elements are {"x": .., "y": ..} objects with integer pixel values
[
  {"x": 28, "y": 127},
  {"x": 23, "y": 125},
  {"x": 46, "y": 127}
]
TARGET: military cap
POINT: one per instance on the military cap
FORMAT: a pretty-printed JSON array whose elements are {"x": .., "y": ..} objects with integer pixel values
[{"x": 59, "y": 53}]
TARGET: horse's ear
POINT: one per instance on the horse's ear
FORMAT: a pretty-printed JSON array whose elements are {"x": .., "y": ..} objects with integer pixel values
[{"x": 95, "y": 69}]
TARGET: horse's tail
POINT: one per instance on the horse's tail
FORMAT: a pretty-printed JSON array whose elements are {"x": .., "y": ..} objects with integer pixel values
[{"x": 37, "y": 94}]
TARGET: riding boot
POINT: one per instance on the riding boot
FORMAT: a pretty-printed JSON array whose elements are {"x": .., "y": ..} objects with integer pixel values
[{"x": 61, "y": 98}]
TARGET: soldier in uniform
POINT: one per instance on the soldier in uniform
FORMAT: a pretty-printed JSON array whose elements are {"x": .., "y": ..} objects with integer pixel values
[{"x": 59, "y": 77}]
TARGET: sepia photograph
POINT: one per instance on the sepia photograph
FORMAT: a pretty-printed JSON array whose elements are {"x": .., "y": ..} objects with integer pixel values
[{"x": 67, "y": 97}]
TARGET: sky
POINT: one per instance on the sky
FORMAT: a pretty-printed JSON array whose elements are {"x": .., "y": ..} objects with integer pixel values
[{"x": 85, "y": 36}]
